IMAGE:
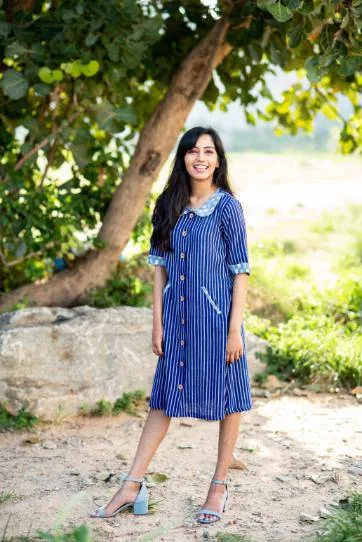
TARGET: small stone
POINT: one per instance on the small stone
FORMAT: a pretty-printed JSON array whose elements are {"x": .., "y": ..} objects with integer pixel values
[
  {"x": 74, "y": 472},
  {"x": 273, "y": 383},
  {"x": 323, "y": 512},
  {"x": 120, "y": 456},
  {"x": 357, "y": 390},
  {"x": 49, "y": 445},
  {"x": 308, "y": 518},
  {"x": 355, "y": 470},
  {"x": 283, "y": 478},
  {"x": 86, "y": 482},
  {"x": 103, "y": 475},
  {"x": 32, "y": 439},
  {"x": 300, "y": 393},
  {"x": 322, "y": 478},
  {"x": 257, "y": 392},
  {"x": 238, "y": 464}
]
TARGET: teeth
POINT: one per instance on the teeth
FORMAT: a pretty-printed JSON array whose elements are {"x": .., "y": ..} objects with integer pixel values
[{"x": 200, "y": 167}]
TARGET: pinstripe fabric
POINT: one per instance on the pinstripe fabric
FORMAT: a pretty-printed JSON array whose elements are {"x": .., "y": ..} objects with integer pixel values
[{"x": 192, "y": 378}]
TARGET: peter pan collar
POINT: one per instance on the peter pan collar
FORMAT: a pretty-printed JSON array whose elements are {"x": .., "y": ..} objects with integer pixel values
[{"x": 208, "y": 206}]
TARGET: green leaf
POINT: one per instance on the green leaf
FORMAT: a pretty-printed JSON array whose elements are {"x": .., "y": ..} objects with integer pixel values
[
  {"x": 14, "y": 84},
  {"x": 4, "y": 29},
  {"x": 16, "y": 49},
  {"x": 42, "y": 89},
  {"x": 90, "y": 69},
  {"x": 293, "y": 4},
  {"x": 37, "y": 52},
  {"x": 280, "y": 12},
  {"x": 294, "y": 35},
  {"x": 250, "y": 118},
  {"x": 45, "y": 74},
  {"x": 307, "y": 7},
  {"x": 125, "y": 114},
  {"x": 91, "y": 39},
  {"x": 57, "y": 75},
  {"x": 349, "y": 66},
  {"x": 49, "y": 76},
  {"x": 81, "y": 154},
  {"x": 313, "y": 69}
]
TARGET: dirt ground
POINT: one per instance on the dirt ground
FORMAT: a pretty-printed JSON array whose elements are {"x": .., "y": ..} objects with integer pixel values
[{"x": 298, "y": 451}]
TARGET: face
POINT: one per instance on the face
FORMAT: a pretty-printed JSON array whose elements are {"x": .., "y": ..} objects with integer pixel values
[{"x": 202, "y": 160}]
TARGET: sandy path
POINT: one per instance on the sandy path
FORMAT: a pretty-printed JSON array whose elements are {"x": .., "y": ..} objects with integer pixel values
[{"x": 292, "y": 437}]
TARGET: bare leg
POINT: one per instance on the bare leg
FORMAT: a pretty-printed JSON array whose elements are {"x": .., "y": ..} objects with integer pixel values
[
  {"x": 154, "y": 430},
  {"x": 228, "y": 434}
]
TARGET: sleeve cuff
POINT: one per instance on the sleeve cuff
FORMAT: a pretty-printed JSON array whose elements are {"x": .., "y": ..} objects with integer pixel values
[
  {"x": 237, "y": 268},
  {"x": 156, "y": 260}
]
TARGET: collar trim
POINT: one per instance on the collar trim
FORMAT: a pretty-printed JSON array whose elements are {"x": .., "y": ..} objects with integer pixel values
[{"x": 208, "y": 206}]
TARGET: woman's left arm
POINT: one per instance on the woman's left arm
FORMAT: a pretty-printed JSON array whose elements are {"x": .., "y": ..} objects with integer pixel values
[
  {"x": 237, "y": 259},
  {"x": 234, "y": 348},
  {"x": 240, "y": 291}
]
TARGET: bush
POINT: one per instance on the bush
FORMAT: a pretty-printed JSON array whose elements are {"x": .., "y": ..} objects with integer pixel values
[{"x": 345, "y": 524}]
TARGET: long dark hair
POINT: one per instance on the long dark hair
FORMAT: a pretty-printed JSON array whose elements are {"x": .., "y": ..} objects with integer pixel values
[{"x": 177, "y": 191}]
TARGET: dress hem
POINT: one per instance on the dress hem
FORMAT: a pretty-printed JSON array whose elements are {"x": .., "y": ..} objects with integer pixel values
[{"x": 209, "y": 418}]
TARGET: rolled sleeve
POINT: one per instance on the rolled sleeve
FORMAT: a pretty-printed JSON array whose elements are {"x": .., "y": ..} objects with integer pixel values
[
  {"x": 234, "y": 229},
  {"x": 156, "y": 256}
]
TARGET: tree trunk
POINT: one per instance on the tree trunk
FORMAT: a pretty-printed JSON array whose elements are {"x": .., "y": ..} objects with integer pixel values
[{"x": 155, "y": 143}]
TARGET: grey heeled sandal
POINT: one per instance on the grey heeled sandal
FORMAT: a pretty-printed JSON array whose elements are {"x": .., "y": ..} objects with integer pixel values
[
  {"x": 214, "y": 512},
  {"x": 140, "y": 505}
]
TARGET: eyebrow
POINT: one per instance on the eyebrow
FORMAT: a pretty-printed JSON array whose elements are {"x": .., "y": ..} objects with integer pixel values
[{"x": 206, "y": 147}]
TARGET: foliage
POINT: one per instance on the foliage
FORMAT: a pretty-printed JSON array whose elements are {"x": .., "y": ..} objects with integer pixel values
[
  {"x": 79, "y": 81},
  {"x": 344, "y": 524},
  {"x": 24, "y": 419},
  {"x": 77, "y": 534},
  {"x": 122, "y": 288},
  {"x": 319, "y": 339},
  {"x": 129, "y": 403}
]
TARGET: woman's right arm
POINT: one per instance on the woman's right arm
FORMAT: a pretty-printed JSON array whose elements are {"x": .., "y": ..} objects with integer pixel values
[{"x": 160, "y": 279}]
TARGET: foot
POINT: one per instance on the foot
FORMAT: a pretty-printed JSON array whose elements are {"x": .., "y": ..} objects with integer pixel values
[
  {"x": 214, "y": 501},
  {"x": 126, "y": 493}
]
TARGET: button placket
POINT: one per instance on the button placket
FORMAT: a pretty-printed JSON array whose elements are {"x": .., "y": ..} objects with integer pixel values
[{"x": 183, "y": 297}]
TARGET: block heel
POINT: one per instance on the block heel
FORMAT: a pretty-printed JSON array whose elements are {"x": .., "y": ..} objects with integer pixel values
[{"x": 140, "y": 505}]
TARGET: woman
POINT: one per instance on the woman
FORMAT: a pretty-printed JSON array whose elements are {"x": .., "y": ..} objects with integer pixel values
[{"x": 199, "y": 248}]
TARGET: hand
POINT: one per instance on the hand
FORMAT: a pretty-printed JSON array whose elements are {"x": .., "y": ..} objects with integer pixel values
[
  {"x": 157, "y": 340},
  {"x": 234, "y": 347}
]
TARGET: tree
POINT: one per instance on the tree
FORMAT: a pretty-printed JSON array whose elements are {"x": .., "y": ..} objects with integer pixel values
[{"x": 104, "y": 88}]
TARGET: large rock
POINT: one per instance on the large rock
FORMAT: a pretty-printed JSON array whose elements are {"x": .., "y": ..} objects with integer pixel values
[{"x": 52, "y": 360}]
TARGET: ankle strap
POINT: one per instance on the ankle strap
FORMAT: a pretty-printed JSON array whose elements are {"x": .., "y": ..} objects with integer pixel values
[
  {"x": 133, "y": 479},
  {"x": 214, "y": 481}
]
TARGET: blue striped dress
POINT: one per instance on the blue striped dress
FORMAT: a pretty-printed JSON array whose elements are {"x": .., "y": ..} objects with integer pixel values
[{"x": 192, "y": 378}]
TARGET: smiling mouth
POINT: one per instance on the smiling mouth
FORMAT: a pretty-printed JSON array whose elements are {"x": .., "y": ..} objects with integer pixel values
[{"x": 201, "y": 168}]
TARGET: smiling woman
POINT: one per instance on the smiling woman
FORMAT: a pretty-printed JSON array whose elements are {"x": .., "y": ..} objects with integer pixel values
[{"x": 198, "y": 246}]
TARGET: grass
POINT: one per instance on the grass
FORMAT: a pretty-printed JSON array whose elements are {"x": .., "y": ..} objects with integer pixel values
[
  {"x": 345, "y": 524},
  {"x": 77, "y": 534},
  {"x": 22, "y": 420},
  {"x": 129, "y": 402},
  {"x": 313, "y": 330},
  {"x": 6, "y": 496}
]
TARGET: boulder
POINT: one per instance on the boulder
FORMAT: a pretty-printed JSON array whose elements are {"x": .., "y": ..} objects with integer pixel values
[{"x": 53, "y": 359}]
